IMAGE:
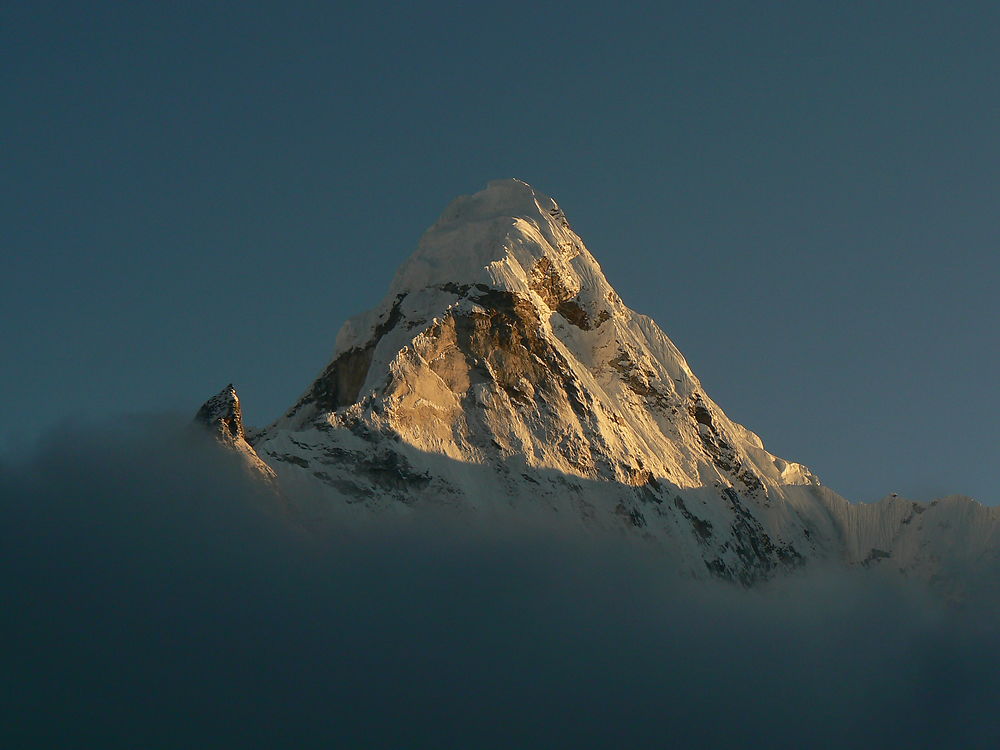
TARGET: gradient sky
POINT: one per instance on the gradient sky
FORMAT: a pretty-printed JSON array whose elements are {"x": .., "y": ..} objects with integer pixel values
[{"x": 803, "y": 195}]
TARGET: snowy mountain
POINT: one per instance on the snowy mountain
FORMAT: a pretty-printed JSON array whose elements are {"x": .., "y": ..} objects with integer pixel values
[{"x": 502, "y": 373}]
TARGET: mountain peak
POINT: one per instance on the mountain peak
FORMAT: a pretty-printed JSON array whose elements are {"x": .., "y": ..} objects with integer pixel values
[
  {"x": 499, "y": 199},
  {"x": 494, "y": 237},
  {"x": 223, "y": 417},
  {"x": 500, "y": 337},
  {"x": 222, "y": 414}
]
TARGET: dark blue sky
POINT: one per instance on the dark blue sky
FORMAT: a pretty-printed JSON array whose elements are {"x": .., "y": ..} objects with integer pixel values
[{"x": 804, "y": 195}]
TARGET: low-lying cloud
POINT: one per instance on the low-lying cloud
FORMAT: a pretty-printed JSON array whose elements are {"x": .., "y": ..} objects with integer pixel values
[{"x": 152, "y": 600}]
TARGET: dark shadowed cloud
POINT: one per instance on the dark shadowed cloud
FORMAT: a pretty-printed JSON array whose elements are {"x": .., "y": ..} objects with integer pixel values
[{"x": 152, "y": 599}]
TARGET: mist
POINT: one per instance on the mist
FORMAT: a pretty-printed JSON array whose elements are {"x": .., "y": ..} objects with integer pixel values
[{"x": 154, "y": 598}]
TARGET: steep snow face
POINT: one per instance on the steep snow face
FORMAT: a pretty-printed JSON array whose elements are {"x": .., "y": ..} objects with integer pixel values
[
  {"x": 502, "y": 371},
  {"x": 952, "y": 539}
]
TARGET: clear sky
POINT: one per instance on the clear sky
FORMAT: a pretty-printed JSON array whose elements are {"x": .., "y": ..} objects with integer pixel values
[{"x": 804, "y": 196}]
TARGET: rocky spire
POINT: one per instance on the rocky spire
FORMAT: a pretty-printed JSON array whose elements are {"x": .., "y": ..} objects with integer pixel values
[
  {"x": 223, "y": 417},
  {"x": 222, "y": 414}
]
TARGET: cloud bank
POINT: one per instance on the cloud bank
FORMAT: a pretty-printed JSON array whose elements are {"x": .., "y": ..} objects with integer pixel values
[{"x": 152, "y": 600}]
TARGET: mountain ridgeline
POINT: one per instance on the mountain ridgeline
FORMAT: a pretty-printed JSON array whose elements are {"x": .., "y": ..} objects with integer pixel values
[{"x": 502, "y": 374}]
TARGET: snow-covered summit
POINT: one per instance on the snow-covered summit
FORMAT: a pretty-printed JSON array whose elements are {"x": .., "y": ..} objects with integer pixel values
[
  {"x": 500, "y": 198},
  {"x": 507, "y": 237},
  {"x": 483, "y": 238},
  {"x": 502, "y": 301}
]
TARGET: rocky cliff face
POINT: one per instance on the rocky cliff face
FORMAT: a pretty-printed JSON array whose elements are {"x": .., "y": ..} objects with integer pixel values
[{"x": 501, "y": 370}]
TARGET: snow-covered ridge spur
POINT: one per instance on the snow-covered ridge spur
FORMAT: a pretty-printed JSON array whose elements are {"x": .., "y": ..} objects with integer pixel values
[{"x": 502, "y": 370}]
